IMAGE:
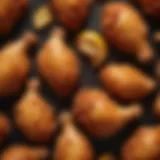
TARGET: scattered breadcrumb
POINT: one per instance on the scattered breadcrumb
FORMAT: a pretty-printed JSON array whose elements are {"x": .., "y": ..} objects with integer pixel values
[{"x": 42, "y": 17}]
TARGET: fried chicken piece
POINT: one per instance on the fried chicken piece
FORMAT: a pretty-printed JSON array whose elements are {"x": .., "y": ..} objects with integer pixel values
[
  {"x": 101, "y": 115},
  {"x": 144, "y": 144},
  {"x": 126, "y": 29},
  {"x": 151, "y": 7},
  {"x": 71, "y": 143},
  {"x": 126, "y": 81},
  {"x": 10, "y": 13},
  {"x": 24, "y": 152},
  {"x": 72, "y": 13},
  {"x": 34, "y": 117}
]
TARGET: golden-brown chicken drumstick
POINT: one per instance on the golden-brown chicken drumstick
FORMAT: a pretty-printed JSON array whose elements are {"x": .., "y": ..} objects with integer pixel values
[
  {"x": 10, "y": 13},
  {"x": 72, "y": 13},
  {"x": 34, "y": 116},
  {"x": 72, "y": 144},
  {"x": 101, "y": 115},
  {"x": 24, "y": 152},
  {"x": 151, "y": 7},
  {"x": 15, "y": 64},
  {"x": 4, "y": 128},
  {"x": 58, "y": 64},
  {"x": 143, "y": 145},
  {"x": 124, "y": 27},
  {"x": 126, "y": 81}
]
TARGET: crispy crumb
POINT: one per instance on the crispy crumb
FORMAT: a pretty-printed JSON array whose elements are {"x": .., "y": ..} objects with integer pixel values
[{"x": 42, "y": 17}]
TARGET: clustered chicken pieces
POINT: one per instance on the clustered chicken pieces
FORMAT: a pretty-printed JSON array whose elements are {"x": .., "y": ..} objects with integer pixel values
[
  {"x": 58, "y": 64},
  {"x": 126, "y": 81},
  {"x": 143, "y": 145},
  {"x": 72, "y": 13},
  {"x": 5, "y": 128},
  {"x": 10, "y": 13},
  {"x": 71, "y": 143},
  {"x": 15, "y": 64},
  {"x": 24, "y": 152},
  {"x": 100, "y": 115},
  {"x": 34, "y": 116},
  {"x": 124, "y": 27},
  {"x": 151, "y": 7}
]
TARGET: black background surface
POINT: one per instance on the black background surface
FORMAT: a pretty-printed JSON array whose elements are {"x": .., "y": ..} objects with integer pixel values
[{"x": 88, "y": 78}]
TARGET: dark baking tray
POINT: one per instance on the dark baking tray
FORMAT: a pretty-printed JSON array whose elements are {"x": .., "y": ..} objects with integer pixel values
[{"x": 88, "y": 78}]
